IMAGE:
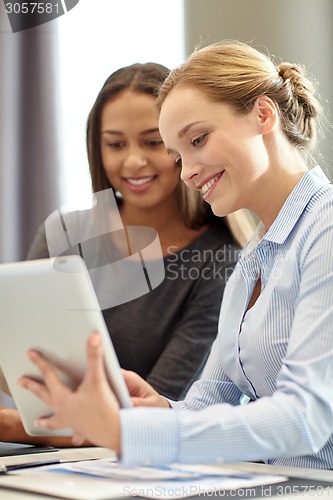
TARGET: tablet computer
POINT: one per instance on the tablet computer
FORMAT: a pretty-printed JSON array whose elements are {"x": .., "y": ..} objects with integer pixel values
[
  {"x": 51, "y": 305},
  {"x": 11, "y": 449}
]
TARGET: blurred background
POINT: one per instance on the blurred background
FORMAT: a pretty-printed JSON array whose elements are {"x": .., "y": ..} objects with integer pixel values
[{"x": 50, "y": 76}]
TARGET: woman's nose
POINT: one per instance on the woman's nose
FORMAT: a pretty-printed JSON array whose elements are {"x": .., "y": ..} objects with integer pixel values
[
  {"x": 190, "y": 173},
  {"x": 135, "y": 159}
]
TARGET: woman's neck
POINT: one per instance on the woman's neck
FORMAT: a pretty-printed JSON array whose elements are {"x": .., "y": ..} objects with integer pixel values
[
  {"x": 167, "y": 221},
  {"x": 158, "y": 217}
]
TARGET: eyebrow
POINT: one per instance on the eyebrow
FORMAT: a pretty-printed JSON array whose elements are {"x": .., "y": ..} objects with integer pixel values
[
  {"x": 185, "y": 129},
  {"x": 182, "y": 132},
  {"x": 118, "y": 132}
]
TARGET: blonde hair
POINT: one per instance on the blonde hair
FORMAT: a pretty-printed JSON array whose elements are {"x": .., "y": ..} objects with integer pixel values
[{"x": 237, "y": 74}]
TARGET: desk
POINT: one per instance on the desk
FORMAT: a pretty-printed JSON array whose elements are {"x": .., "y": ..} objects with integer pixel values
[
  {"x": 303, "y": 482},
  {"x": 63, "y": 454}
]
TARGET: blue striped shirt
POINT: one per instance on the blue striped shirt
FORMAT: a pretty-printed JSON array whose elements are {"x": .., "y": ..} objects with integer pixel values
[{"x": 279, "y": 353}]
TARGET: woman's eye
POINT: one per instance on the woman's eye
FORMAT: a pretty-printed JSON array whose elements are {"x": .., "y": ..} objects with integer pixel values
[
  {"x": 199, "y": 140},
  {"x": 155, "y": 144},
  {"x": 178, "y": 162},
  {"x": 115, "y": 145}
]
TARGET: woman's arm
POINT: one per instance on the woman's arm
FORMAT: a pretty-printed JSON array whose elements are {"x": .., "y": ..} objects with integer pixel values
[{"x": 12, "y": 430}]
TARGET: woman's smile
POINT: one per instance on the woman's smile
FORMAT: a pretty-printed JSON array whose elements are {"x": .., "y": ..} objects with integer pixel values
[
  {"x": 208, "y": 186},
  {"x": 139, "y": 184}
]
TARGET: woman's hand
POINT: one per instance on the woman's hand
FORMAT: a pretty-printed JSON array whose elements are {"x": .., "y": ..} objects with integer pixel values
[
  {"x": 91, "y": 410},
  {"x": 12, "y": 430},
  {"x": 142, "y": 394}
]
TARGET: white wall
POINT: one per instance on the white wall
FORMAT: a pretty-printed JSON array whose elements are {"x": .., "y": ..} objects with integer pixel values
[
  {"x": 96, "y": 38},
  {"x": 297, "y": 31}
]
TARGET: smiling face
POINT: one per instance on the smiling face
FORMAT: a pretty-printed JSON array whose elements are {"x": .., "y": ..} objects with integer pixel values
[
  {"x": 221, "y": 151},
  {"x": 133, "y": 154}
]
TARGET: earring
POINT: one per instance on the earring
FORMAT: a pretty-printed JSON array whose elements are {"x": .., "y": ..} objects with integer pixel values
[{"x": 118, "y": 195}]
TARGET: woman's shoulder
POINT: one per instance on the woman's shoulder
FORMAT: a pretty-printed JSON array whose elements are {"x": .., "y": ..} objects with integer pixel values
[
  {"x": 318, "y": 215},
  {"x": 321, "y": 200},
  {"x": 55, "y": 233}
]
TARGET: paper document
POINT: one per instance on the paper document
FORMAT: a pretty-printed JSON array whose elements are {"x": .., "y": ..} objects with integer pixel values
[
  {"x": 105, "y": 479},
  {"x": 115, "y": 470}
]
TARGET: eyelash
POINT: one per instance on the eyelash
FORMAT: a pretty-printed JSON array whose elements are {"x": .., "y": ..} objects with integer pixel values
[
  {"x": 115, "y": 145},
  {"x": 150, "y": 144},
  {"x": 155, "y": 144},
  {"x": 197, "y": 142}
]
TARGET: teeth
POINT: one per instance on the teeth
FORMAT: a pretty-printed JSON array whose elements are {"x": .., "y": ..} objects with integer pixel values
[
  {"x": 206, "y": 187},
  {"x": 138, "y": 182}
]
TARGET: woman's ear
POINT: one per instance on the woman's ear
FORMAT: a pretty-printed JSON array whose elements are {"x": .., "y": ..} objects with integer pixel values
[{"x": 266, "y": 113}]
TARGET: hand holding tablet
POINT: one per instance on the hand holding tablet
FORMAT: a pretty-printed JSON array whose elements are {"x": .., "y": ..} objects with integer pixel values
[{"x": 49, "y": 305}]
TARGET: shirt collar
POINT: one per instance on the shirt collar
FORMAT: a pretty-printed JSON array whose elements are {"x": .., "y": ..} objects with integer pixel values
[{"x": 311, "y": 182}]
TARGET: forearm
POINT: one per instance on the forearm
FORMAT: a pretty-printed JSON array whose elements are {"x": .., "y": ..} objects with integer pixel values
[{"x": 12, "y": 430}]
